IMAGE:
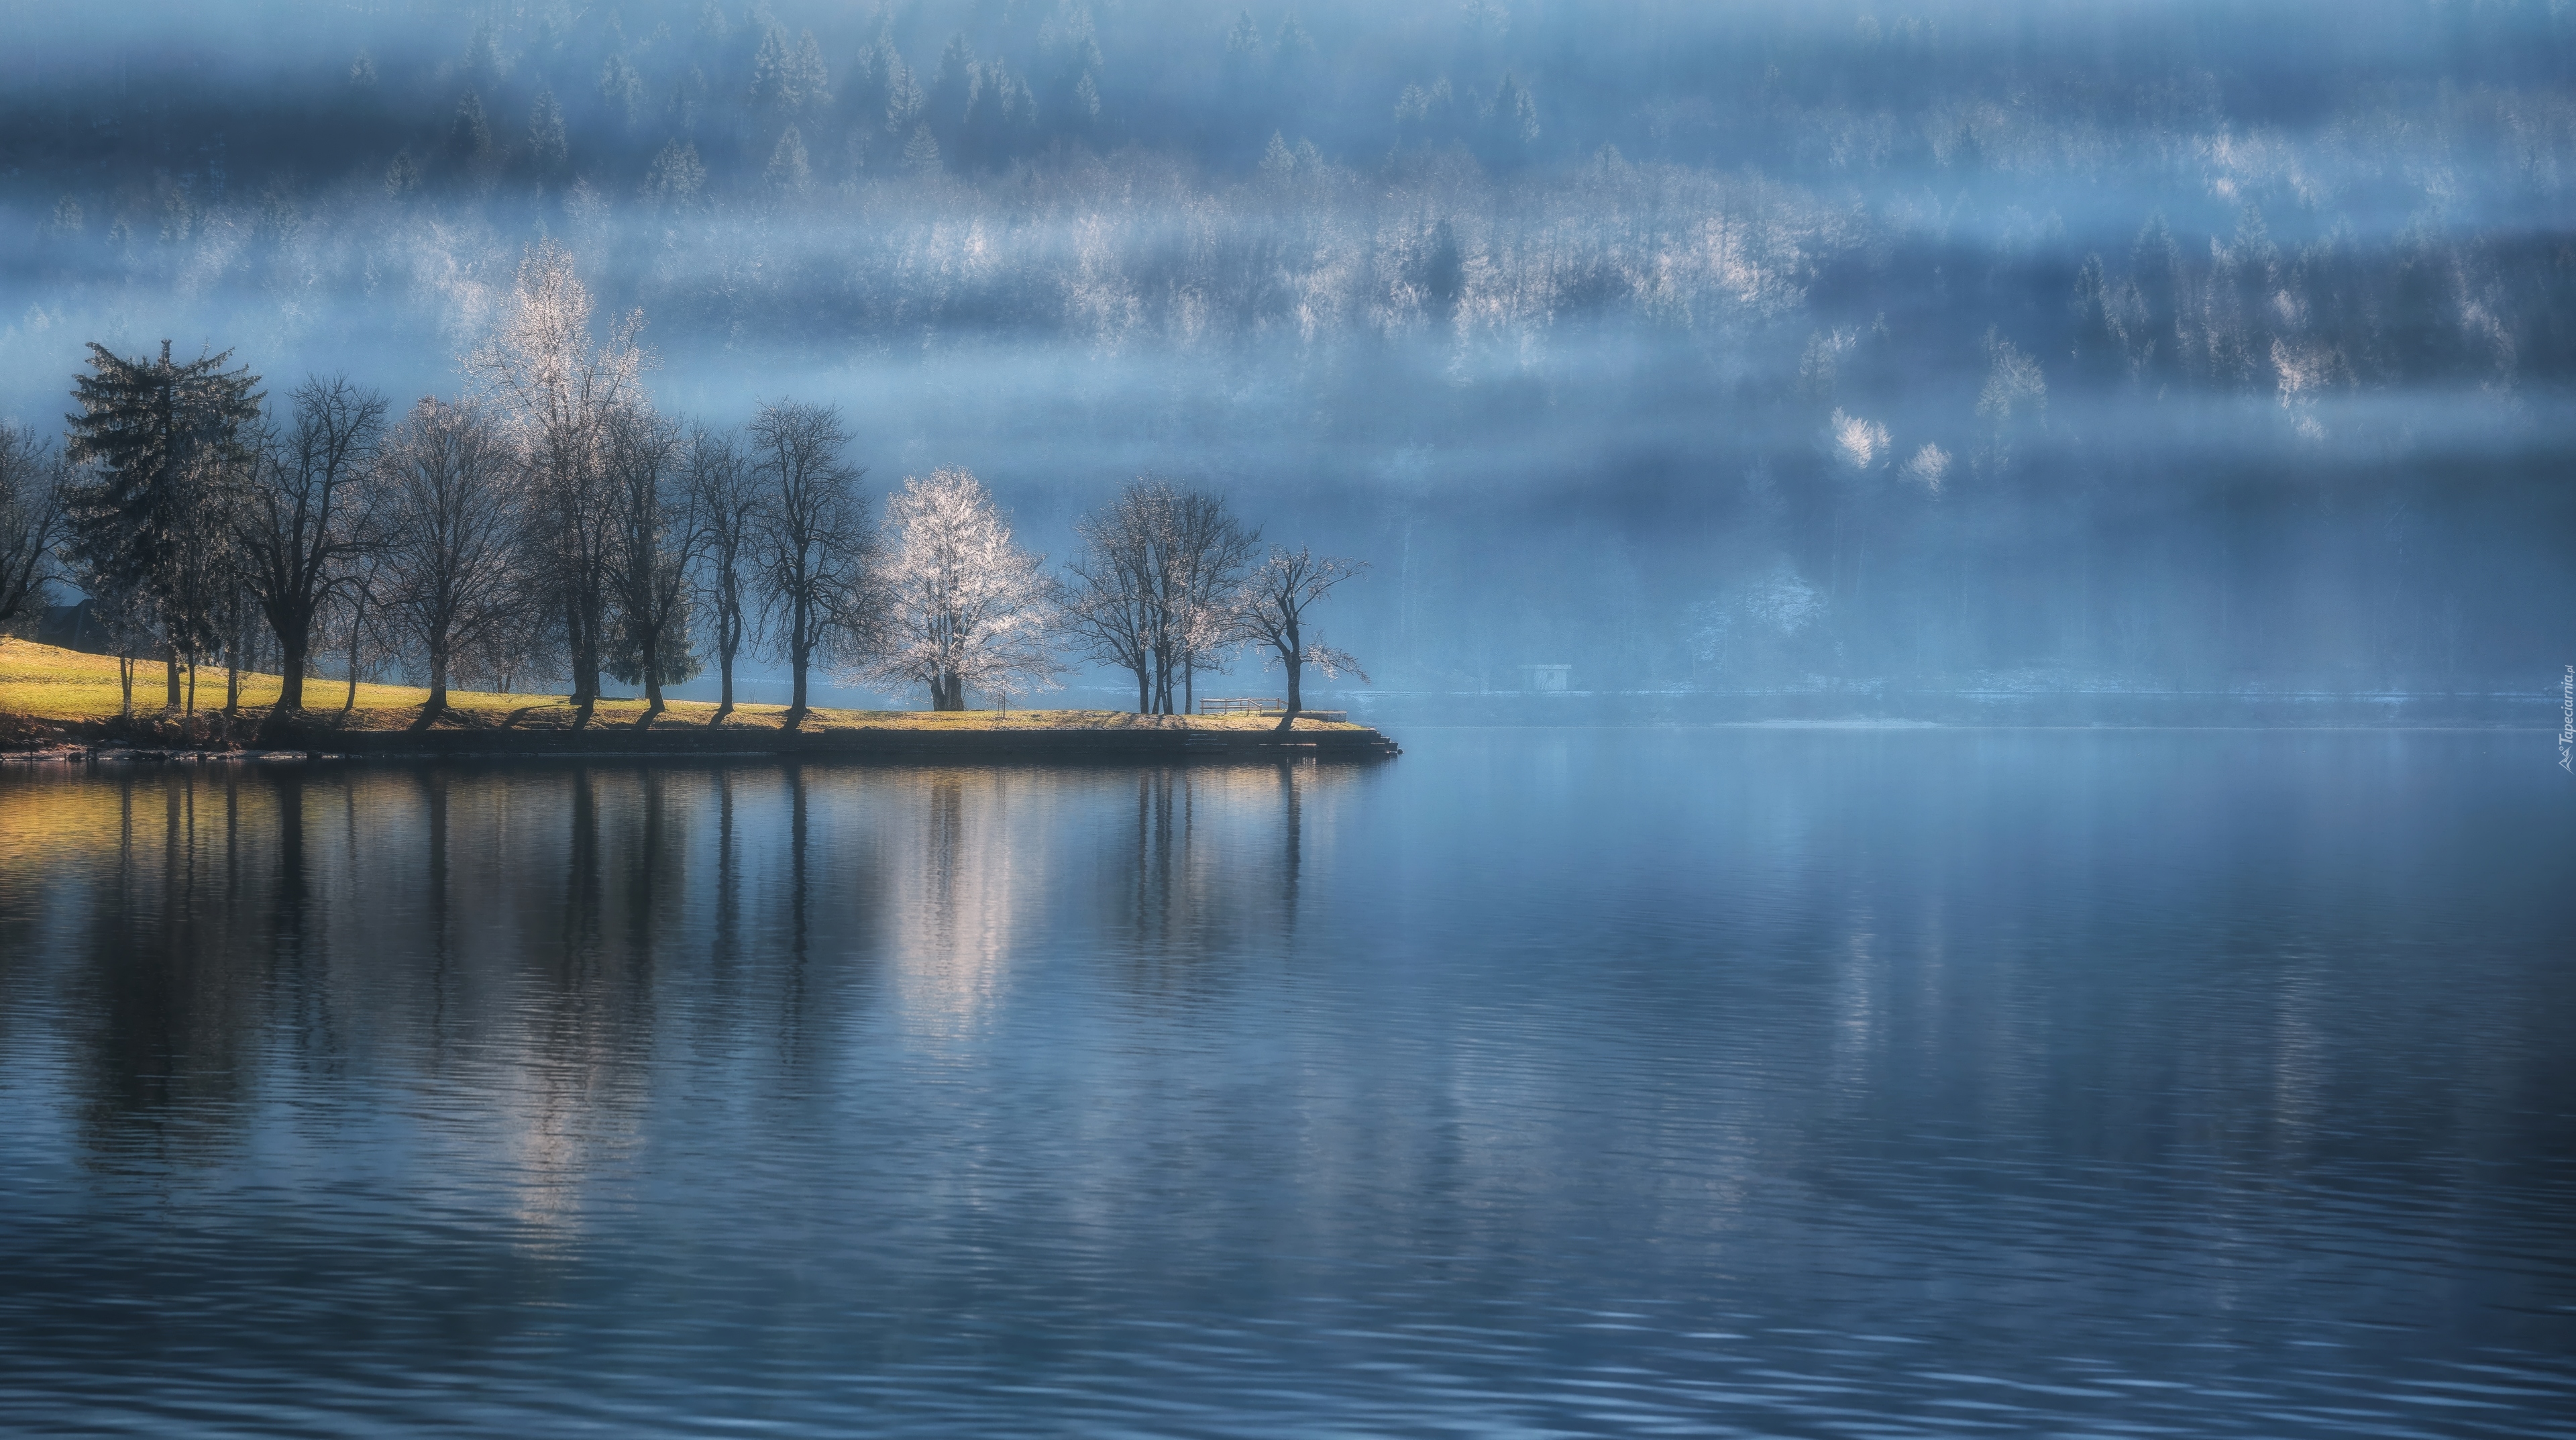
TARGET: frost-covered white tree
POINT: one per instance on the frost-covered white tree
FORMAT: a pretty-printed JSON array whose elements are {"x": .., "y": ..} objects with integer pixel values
[
  {"x": 1857, "y": 443},
  {"x": 962, "y": 606},
  {"x": 555, "y": 387},
  {"x": 1929, "y": 467}
]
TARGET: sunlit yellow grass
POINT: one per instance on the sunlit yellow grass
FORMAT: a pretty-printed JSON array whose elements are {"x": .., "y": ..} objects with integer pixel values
[{"x": 45, "y": 683}]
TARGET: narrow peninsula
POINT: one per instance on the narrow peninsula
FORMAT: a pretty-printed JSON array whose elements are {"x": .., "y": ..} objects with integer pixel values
[{"x": 66, "y": 704}]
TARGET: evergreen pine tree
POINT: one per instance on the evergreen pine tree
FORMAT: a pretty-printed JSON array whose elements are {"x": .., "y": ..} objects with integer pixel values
[
  {"x": 921, "y": 152},
  {"x": 773, "y": 78},
  {"x": 168, "y": 446},
  {"x": 953, "y": 91},
  {"x": 1278, "y": 162},
  {"x": 469, "y": 136},
  {"x": 675, "y": 177},
  {"x": 813, "y": 76},
  {"x": 483, "y": 57},
  {"x": 787, "y": 173},
  {"x": 904, "y": 99},
  {"x": 620, "y": 87},
  {"x": 547, "y": 149}
]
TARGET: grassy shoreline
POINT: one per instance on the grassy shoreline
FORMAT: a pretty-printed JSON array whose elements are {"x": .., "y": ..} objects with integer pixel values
[{"x": 52, "y": 696}]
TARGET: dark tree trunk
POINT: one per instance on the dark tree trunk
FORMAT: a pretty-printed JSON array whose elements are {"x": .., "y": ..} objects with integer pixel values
[
  {"x": 1144, "y": 691},
  {"x": 581, "y": 628},
  {"x": 292, "y": 657},
  {"x": 724, "y": 667},
  {"x": 291, "y": 661},
  {"x": 800, "y": 654},
  {"x": 437, "y": 705},
  {"x": 232, "y": 670},
  {"x": 1295, "y": 666},
  {"x": 170, "y": 660},
  {"x": 652, "y": 685},
  {"x": 351, "y": 702}
]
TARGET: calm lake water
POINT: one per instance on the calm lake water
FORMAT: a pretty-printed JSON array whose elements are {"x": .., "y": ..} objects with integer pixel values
[{"x": 1858, "y": 1083}]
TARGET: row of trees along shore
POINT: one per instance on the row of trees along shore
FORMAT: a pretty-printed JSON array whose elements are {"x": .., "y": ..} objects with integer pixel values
[{"x": 552, "y": 522}]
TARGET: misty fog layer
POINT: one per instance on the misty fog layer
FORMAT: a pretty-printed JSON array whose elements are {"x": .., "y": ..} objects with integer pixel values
[{"x": 2180, "y": 346}]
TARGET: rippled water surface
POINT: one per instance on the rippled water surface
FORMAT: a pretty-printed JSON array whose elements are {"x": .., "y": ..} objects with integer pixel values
[{"x": 1813, "y": 1083}]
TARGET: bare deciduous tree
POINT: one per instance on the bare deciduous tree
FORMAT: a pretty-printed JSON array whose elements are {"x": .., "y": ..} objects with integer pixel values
[
  {"x": 451, "y": 529},
  {"x": 1153, "y": 588},
  {"x": 1272, "y": 611},
  {"x": 726, "y": 498},
  {"x": 1110, "y": 609},
  {"x": 963, "y": 607},
  {"x": 1208, "y": 551},
  {"x": 558, "y": 386},
  {"x": 301, "y": 524},
  {"x": 813, "y": 545},
  {"x": 355, "y": 624},
  {"x": 33, "y": 478},
  {"x": 653, "y": 538}
]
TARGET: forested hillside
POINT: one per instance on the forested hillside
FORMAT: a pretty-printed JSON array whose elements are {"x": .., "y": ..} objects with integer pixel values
[{"x": 1691, "y": 345}]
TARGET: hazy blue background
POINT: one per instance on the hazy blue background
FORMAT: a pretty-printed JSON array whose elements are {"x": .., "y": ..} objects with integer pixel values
[{"x": 1613, "y": 335}]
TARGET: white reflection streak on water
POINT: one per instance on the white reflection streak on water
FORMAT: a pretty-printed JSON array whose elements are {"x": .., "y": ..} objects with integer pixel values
[{"x": 953, "y": 921}]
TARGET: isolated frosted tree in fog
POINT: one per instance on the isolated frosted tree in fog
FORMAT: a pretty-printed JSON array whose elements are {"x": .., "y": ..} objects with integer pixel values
[
  {"x": 962, "y": 606},
  {"x": 451, "y": 525},
  {"x": 33, "y": 477},
  {"x": 1273, "y": 612},
  {"x": 303, "y": 519},
  {"x": 1928, "y": 469},
  {"x": 810, "y": 538},
  {"x": 556, "y": 387}
]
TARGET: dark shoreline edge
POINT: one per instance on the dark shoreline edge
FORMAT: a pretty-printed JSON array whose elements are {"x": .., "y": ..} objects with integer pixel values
[{"x": 966, "y": 747}]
